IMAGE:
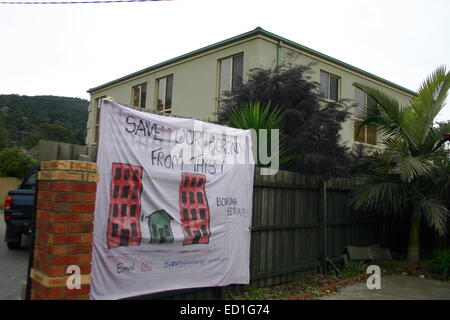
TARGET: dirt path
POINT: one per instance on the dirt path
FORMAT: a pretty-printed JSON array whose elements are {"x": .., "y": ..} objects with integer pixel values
[{"x": 395, "y": 287}]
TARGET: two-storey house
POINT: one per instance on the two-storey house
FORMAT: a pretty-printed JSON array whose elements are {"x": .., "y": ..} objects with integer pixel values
[{"x": 191, "y": 85}]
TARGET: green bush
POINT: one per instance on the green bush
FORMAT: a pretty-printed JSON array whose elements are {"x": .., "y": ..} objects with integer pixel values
[
  {"x": 353, "y": 269},
  {"x": 15, "y": 163},
  {"x": 440, "y": 262},
  {"x": 252, "y": 115}
]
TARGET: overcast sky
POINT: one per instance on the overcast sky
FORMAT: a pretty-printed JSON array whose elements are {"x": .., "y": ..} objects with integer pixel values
[{"x": 66, "y": 49}]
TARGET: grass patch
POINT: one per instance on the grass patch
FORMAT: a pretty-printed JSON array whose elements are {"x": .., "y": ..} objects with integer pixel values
[{"x": 352, "y": 269}]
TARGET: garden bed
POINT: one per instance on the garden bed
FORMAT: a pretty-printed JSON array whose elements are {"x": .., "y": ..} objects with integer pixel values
[{"x": 308, "y": 286}]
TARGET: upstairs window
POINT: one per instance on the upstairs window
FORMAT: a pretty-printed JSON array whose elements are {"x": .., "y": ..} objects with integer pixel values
[
  {"x": 366, "y": 134},
  {"x": 329, "y": 86},
  {"x": 230, "y": 73},
  {"x": 362, "y": 100},
  {"x": 139, "y": 93},
  {"x": 164, "y": 96}
]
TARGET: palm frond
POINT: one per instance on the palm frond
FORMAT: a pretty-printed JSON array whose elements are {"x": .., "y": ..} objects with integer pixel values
[
  {"x": 435, "y": 213},
  {"x": 385, "y": 115},
  {"x": 408, "y": 166},
  {"x": 380, "y": 165},
  {"x": 411, "y": 168},
  {"x": 376, "y": 195},
  {"x": 432, "y": 142},
  {"x": 251, "y": 115},
  {"x": 430, "y": 99}
]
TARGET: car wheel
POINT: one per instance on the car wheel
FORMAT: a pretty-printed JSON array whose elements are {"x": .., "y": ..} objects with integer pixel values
[{"x": 13, "y": 245}]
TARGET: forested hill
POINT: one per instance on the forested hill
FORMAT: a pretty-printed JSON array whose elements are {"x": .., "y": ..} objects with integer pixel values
[{"x": 26, "y": 119}]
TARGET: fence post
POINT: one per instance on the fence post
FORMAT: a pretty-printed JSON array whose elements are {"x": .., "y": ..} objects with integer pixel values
[
  {"x": 323, "y": 225},
  {"x": 64, "y": 225}
]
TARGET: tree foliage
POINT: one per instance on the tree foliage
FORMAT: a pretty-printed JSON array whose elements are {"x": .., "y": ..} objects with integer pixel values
[
  {"x": 2, "y": 132},
  {"x": 411, "y": 175},
  {"x": 14, "y": 162},
  {"x": 310, "y": 126},
  {"x": 443, "y": 127},
  {"x": 29, "y": 119}
]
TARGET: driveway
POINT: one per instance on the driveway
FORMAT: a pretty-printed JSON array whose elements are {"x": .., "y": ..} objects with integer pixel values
[
  {"x": 13, "y": 266},
  {"x": 396, "y": 287}
]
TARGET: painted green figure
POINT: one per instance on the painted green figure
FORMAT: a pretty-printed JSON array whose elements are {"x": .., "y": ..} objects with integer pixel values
[{"x": 159, "y": 226}]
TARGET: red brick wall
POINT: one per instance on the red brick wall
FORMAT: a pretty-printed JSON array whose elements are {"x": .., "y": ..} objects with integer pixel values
[{"x": 64, "y": 226}]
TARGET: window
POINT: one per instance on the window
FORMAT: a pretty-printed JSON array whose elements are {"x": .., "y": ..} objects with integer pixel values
[
  {"x": 362, "y": 100},
  {"x": 97, "y": 118},
  {"x": 329, "y": 86},
  {"x": 366, "y": 134},
  {"x": 164, "y": 94},
  {"x": 30, "y": 182},
  {"x": 139, "y": 93},
  {"x": 230, "y": 73}
]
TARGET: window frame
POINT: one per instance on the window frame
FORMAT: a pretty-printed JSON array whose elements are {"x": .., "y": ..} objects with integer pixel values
[
  {"x": 164, "y": 109},
  {"x": 364, "y": 129},
  {"x": 140, "y": 87},
  {"x": 357, "y": 118},
  {"x": 26, "y": 181},
  {"x": 219, "y": 96},
  {"x": 338, "y": 89}
]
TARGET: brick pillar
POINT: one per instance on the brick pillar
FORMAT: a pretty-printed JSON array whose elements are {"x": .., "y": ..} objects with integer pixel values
[{"x": 64, "y": 226}]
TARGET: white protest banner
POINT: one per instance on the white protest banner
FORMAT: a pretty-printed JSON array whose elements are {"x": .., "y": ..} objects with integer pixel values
[{"x": 173, "y": 205}]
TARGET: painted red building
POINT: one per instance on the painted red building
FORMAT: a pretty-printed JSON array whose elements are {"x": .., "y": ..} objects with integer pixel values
[
  {"x": 194, "y": 209},
  {"x": 125, "y": 206}
]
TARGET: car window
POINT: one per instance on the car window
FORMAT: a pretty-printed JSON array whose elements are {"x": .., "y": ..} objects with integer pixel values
[{"x": 30, "y": 182}]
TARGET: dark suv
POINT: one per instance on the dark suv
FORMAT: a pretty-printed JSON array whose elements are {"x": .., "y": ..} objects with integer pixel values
[{"x": 19, "y": 207}]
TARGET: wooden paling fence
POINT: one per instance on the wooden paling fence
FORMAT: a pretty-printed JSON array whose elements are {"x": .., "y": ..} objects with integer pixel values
[{"x": 299, "y": 221}]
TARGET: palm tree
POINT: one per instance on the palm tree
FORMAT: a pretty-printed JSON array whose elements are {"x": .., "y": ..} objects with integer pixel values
[
  {"x": 411, "y": 174},
  {"x": 252, "y": 115}
]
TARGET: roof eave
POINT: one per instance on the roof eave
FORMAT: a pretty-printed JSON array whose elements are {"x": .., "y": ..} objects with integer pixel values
[
  {"x": 177, "y": 59},
  {"x": 243, "y": 36}
]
